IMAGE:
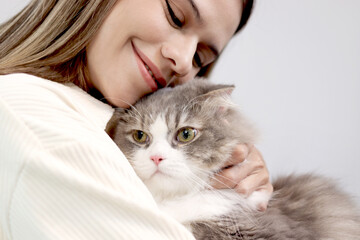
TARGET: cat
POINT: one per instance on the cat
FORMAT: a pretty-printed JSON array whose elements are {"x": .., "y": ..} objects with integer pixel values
[{"x": 178, "y": 139}]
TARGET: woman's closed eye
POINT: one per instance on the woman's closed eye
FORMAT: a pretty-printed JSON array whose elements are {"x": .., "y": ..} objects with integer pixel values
[
  {"x": 203, "y": 56},
  {"x": 174, "y": 15},
  {"x": 197, "y": 62}
]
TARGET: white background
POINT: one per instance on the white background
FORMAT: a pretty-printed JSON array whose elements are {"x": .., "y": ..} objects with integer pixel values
[{"x": 296, "y": 68}]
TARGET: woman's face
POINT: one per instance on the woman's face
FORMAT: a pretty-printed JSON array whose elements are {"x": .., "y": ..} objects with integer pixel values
[{"x": 144, "y": 44}]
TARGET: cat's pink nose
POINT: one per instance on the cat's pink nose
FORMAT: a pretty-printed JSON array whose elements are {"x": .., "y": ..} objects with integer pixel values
[{"x": 156, "y": 159}]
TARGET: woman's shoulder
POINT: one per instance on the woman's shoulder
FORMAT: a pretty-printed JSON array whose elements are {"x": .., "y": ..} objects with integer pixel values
[
  {"x": 18, "y": 82},
  {"x": 24, "y": 92},
  {"x": 35, "y": 87},
  {"x": 24, "y": 80},
  {"x": 18, "y": 76}
]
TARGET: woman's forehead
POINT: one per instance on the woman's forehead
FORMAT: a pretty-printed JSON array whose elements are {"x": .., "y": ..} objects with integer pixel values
[{"x": 218, "y": 18}]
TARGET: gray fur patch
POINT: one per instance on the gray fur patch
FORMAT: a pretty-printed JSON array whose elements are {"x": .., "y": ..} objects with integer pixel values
[{"x": 303, "y": 207}]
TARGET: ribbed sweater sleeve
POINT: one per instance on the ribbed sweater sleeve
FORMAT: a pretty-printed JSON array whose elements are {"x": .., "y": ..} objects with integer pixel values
[{"x": 61, "y": 176}]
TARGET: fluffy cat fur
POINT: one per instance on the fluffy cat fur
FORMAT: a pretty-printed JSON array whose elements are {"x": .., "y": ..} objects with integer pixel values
[{"x": 178, "y": 173}]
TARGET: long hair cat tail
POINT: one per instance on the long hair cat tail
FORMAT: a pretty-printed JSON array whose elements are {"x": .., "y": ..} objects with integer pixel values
[{"x": 309, "y": 207}]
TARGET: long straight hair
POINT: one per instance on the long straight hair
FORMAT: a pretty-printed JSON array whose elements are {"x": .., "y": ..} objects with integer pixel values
[{"x": 48, "y": 38}]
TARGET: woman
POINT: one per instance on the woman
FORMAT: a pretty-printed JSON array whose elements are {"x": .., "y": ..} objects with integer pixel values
[{"x": 61, "y": 176}]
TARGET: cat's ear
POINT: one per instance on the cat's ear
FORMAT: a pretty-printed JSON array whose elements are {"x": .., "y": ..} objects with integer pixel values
[
  {"x": 218, "y": 90},
  {"x": 216, "y": 97},
  {"x": 111, "y": 126},
  {"x": 209, "y": 89}
]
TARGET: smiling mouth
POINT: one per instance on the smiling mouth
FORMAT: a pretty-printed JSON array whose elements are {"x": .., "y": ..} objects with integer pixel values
[
  {"x": 153, "y": 77},
  {"x": 149, "y": 71}
]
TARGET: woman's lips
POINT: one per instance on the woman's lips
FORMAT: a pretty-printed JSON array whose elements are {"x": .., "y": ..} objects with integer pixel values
[{"x": 148, "y": 70}]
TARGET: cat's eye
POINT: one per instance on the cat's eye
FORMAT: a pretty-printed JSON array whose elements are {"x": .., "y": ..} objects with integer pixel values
[
  {"x": 140, "y": 136},
  {"x": 173, "y": 17},
  {"x": 186, "y": 135}
]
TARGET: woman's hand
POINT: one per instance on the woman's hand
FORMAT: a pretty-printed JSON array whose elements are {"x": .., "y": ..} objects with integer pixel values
[{"x": 245, "y": 176}]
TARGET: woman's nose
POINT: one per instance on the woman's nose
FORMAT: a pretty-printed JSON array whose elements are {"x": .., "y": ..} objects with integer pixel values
[{"x": 180, "y": 52}]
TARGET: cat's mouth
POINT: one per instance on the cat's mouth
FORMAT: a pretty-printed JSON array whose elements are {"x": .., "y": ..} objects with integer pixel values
[{"x": 158, "y": 172}]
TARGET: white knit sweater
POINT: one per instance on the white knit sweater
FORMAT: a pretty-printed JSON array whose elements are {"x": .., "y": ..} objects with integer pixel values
[{"x": 61, "y": 176}]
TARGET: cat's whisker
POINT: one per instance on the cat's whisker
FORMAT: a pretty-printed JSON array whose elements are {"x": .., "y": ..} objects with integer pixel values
[
  {"x": 203, "y": 183},
  {"x": 220, "y": 194},
  {"x": 242, "y": 206},
  {"x": 126, "y": 102},
  {"x": 225, "y": 178},
  {"x": 223, "y": 183},
  {"x": 194, "y": 183},
  {"x": 114, "y": 98},
  {"x": 178, "y": 168},
  {"x": 186, "y": 194},
  {"x": 190, "y": 184},
  {"x": 205, "y": 173},
  {"x": 172, "y": 79},
  {"x": 211, "y": 175},
  {"x": 136, "y": 111}
]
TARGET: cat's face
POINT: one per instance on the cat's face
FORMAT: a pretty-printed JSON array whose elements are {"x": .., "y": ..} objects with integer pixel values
[{"x": 177, "y": 138}]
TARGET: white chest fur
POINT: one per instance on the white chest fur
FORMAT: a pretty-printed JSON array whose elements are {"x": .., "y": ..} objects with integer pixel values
[{"x": 175, "y": 186}]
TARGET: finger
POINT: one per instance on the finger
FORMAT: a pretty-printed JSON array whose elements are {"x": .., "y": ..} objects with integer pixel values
[
  {"x": 231, "y": 177},
  {"x": 255, "y": 156},
  {"x": 247, "y": 168},
  {"x": 267, "y": 189},
  {"x": 252, "y": 183},
  {"x": 253, "y": 165},
  {"x": 239, "y": 154},
  {"x": 227, "y": 178},
  {"x": 232, "y": 174}
]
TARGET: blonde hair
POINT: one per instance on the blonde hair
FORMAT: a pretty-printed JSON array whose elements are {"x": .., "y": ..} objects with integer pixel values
[{"x": 48, "y": 38}]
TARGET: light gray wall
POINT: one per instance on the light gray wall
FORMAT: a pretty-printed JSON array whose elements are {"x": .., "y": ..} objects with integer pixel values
[{"x": 297, "y": 72}]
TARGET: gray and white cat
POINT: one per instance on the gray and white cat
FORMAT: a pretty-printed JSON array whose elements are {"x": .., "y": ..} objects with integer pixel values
[{"x": 178, "y": 139}]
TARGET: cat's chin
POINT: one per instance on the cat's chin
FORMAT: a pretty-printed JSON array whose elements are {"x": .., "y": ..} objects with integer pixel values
[{"x": 164, "y": 187}]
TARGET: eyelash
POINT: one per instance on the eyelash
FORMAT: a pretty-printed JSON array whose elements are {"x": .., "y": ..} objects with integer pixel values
[
  {"x": 176, "y": 21},
  {"x": 197, "y": 61}
]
